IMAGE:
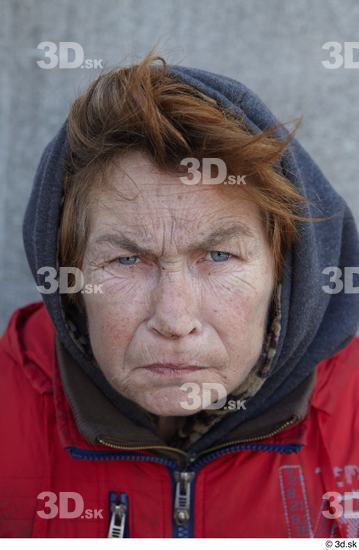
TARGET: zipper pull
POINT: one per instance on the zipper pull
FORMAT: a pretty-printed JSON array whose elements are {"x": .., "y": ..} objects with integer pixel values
[
  {"x": 118, "y": 516},
  {"x": 182, "y": 503}
]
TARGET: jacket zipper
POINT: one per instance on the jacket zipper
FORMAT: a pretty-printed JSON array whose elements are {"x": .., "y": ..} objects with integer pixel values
[
  {"x": 182, "y": 480},
  {"x": 118, "y": 520},
  {"x": 183, "y": 493},
  {"x": 285, "y": 425},
  {"x": 182, "y": 505}
]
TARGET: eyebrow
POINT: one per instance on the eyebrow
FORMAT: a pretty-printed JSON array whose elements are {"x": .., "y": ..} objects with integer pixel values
[{"x": 237, "y": 230}]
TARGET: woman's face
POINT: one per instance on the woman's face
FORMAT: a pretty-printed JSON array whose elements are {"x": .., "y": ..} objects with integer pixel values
[{"x": 186, "y": 277}]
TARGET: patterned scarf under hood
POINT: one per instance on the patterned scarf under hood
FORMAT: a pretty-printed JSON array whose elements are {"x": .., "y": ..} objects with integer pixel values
[{"x": 306, "y": 324}]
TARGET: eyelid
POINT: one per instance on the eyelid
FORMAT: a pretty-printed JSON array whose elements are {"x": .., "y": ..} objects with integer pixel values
[
  {"x": 118, "y": 257},
  {"x": 143, "y": 258}
]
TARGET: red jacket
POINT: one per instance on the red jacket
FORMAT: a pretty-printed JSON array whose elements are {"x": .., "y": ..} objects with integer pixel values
[{"x": 55, "y": 484}]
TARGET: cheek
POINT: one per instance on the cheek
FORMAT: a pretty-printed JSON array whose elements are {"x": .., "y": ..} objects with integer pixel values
[
  {"x": 239, "y": 315},
  {"x": 241, "y": 296},
  {"x": 241, "y": 324},
  {"x": 111, "y": 327}
]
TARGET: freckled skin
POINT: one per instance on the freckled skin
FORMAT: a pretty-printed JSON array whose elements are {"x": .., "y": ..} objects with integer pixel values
[{"x": 176, "y": 303}]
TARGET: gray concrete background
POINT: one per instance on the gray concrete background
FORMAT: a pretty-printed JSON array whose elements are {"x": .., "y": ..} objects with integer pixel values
[{"x": 273, "y": 46}]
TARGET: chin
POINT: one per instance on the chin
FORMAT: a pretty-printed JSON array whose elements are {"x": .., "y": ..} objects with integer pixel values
[{"x": 167, "y": 402}]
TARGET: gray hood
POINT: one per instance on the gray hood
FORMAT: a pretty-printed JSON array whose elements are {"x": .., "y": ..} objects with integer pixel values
[{"x": 314, "y": 324}]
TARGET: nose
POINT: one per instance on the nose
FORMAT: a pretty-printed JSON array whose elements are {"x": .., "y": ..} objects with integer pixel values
[{"x": 174, "y": 306}]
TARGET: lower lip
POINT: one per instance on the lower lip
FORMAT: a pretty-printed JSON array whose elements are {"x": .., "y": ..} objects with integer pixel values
[{"x": 172, "y": 372}]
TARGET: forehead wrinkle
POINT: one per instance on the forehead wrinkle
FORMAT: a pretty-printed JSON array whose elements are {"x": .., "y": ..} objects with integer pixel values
[
  {"x": 229, "y": 232},
  {"x": 169, "y": 238}
]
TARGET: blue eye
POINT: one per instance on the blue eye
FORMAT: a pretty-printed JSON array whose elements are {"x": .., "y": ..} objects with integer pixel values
[
  {"x": 219, "y": 256},
  {"x": 127, "y": 260}
]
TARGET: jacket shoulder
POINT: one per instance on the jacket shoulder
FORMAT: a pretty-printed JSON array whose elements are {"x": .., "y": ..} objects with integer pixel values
[
  {"x": 338, "y": 378},
  {"x": 336, "y": 399},
  {"x": 27, "y": 416},
  {"x": 28, "y": 344}
]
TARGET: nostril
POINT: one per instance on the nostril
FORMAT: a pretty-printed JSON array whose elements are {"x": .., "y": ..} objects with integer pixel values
[{"x": 175, "y": 329}]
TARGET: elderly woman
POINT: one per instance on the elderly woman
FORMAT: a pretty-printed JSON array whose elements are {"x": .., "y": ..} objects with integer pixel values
[{"x": 192, "y": 369}]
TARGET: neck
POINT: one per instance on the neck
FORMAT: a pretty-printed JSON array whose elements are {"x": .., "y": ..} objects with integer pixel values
[{"x": 168, "y": 426}]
